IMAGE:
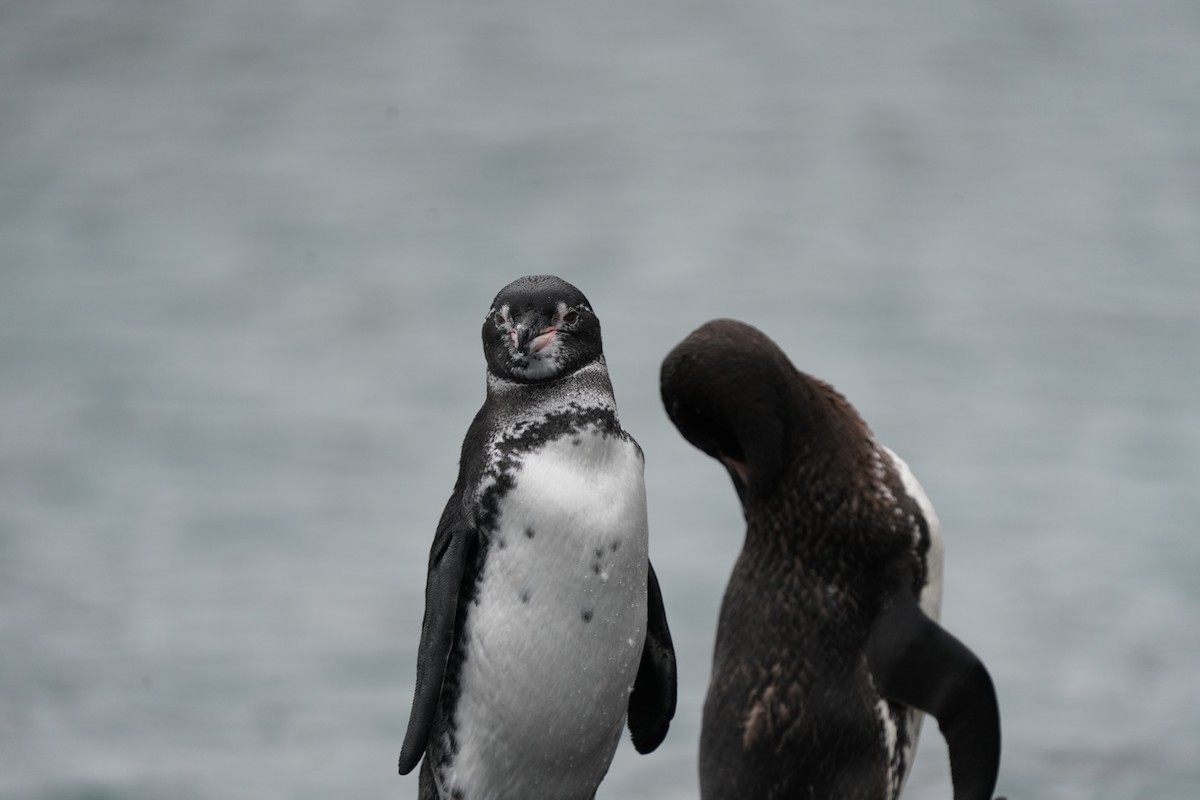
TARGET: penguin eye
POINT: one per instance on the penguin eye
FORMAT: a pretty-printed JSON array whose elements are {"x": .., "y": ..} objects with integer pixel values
[
  {"x": 570, "y": 317},
  {"x": 498, "y": 319}
]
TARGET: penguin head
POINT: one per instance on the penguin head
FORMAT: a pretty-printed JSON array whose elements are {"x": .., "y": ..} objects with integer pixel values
[
  {"x": 733, "y": 393},
  {"x": 539, "y": 329},
  {"x": 728, "y": 389}
]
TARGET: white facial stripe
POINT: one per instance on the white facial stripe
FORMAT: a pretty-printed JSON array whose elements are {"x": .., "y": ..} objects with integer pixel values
[{"x": 500, "y": 318}]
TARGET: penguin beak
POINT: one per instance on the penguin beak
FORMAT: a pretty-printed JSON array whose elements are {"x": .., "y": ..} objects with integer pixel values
[
  {"x": 739, "y": 473},
  {"x": 530, "y": 340}
]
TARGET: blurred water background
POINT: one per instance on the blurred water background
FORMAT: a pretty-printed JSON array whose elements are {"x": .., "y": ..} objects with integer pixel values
[{"x": 245, "y": 249}]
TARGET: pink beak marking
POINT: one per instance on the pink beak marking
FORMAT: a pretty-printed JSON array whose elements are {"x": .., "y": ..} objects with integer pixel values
[{"x": 542, "y": 340}]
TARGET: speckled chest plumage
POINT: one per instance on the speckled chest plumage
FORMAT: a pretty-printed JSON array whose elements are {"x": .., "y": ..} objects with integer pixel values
[{"x": 555, "y": 615}]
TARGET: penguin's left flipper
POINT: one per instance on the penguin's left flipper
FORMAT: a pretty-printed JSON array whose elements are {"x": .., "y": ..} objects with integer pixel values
[
  {"x": 916, "y": 662},
  {"x": 652, "y": 703},
  {"x": 447, "y": 561}
]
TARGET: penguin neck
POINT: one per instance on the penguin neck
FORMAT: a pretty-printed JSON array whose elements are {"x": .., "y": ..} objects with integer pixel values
[
  {"x": 825, "y": 483},
  {"x": 588, "y": 387},
  {"x": 827, "y": 423},
  {"x": 805, "y": 436}
]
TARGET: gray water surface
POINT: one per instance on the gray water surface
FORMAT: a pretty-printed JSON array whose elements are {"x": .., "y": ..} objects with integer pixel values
[{"x": 245, "y": 249}]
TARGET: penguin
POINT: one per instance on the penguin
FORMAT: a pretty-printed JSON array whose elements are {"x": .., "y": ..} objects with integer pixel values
[
  {"x": 828, "y": 649},
  {"x": 544, "y": 630}
]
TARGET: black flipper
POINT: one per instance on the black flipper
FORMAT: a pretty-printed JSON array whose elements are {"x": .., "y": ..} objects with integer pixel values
[
  {"x": 652, "y": 703},
  {"x": 916, "y": 662},
  {"x": 447, "y": 560}
]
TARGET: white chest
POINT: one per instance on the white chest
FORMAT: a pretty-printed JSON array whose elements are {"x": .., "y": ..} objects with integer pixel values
[
  {"x": 931, "y": 594},
  {"x": 930, "y": 600},
  {"x": 556, "y": 634}
]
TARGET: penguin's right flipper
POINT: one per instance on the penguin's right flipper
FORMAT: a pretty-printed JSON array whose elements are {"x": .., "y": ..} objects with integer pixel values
[
  {"x": 916, "y": 662},
  {"x": 652, "y": 703},
  {"x": 447, "y": 561}
]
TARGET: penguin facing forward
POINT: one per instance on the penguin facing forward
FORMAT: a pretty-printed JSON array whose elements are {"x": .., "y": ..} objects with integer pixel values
[
  {"x": 827, "y": 649},
  {"x": 544, "y": 629}
]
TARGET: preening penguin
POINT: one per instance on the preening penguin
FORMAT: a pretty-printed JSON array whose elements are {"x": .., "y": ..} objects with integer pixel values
[
  {"x": 544, "y": 629},
  {"x": 827, "y": 648}
]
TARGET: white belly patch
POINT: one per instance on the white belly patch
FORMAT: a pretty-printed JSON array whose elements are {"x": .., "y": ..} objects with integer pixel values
[{"x": 555, "y": 636}]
